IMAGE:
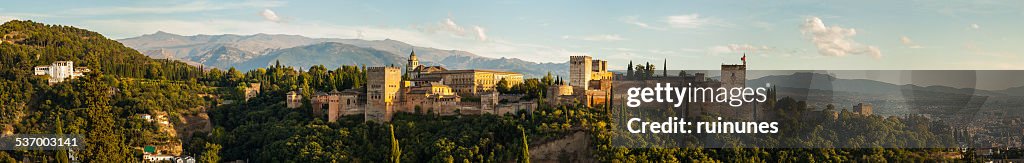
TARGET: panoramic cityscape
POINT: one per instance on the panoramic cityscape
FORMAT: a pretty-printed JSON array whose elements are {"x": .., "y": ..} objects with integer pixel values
[{"x": 511, "y": 81}]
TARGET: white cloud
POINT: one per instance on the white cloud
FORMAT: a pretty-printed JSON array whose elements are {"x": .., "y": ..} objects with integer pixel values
[
  {"x": 686, "y": 21},
  {"x": 270, "y": 15},
  {"x": 196, "y": 6},
  {"x": 908, "y": 42},
  {"x": 636, "y": 21},
  {"x": 449, "y": 26},
  {"x": 975, "y": 26},
  {"x": 481, "y": 33},
  {"x": 835, "y": 40},
  {"x": 602, "y": 37}
]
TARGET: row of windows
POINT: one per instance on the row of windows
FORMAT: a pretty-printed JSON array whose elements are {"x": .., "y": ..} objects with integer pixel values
[{"x": 379, "y": 86}]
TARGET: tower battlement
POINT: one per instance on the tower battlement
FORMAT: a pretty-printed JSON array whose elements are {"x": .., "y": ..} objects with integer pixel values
[
  {"x": 387, "y": 68},
  {"x": 734, "y": 67}
]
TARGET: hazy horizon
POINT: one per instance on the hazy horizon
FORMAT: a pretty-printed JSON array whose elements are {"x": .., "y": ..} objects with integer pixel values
[
  {"x": 882, "y": 35},
  {"x": 991, "y": 80}
]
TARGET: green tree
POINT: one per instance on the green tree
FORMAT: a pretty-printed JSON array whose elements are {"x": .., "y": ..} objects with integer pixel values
[
  {"x": 502, "y": 86},
  {"x": 629, "y": 70},
  {"x": 548, "y": 79},
  {"x": 210, "y": 153},
  {"x": 526, "y": 147},
  {"x": 62, "y": 155},
  {"x": 396, "y": 152}
]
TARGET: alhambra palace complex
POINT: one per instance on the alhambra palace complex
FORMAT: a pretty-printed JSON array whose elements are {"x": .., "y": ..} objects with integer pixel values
[{"x": 437, "y": 90}]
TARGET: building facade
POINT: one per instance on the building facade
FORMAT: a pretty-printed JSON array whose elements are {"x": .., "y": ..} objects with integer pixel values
[
  {"x": 430, "y": 97},
  {"x": 382, "y": 92},
  {"x": 293, "y": 99},
  {"x": 862, "y": 109},
  {"x": 60, "y": 70},
  {"x": 734, "y": 76},
  {"x": 599, "y": 70},
  {"x": 590, "y": 81},
  {"x": 323, "y": 102},
  {"x": 474, "y": 82},
  {"x": 251, "y": 91},
  {"x": 421, "y": 69},
  {"x": 580, "y": 68}
]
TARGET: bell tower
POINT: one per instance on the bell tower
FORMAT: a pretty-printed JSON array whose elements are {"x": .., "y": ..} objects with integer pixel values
[{"x": 413, "y": 63}]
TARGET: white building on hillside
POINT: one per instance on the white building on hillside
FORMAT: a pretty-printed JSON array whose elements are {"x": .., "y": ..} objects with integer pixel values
[{"x": 60, "y": 71}]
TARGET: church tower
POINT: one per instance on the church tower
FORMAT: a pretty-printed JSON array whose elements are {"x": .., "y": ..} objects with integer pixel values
[{"x": 413, "y": 63}]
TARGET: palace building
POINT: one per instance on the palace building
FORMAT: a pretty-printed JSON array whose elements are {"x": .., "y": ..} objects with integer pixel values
[
  {"x": 590, "y": 83},
  {"x": 430, "y": 97},
  {"x": 422, "y": 90},
  {"x": 330, "y": 100},
  {"x": 475, "y": 82},
  {"x": 464, "y": 82},
  {"x": 60, "y": 70}
]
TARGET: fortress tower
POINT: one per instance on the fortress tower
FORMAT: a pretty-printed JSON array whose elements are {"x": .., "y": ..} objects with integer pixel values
[
  {"x": 735, "y": 75},
  {"x": 382, "y": 88},
  {"x": 579, "y": 71}
]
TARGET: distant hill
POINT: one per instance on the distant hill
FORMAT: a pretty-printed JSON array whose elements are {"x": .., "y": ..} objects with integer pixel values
[
  {"x": 1015, "y": 91},
  {"x": 228, "y": 50},
  {"x": 508, "y": 64},
  {"x": 223, "y": 56},
  {"x": 27, "y": 44},
  {"x": 330, "y": 54},
  {"x": 807, "y": 80}
]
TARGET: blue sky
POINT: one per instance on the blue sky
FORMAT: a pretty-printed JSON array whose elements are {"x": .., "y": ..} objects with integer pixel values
[{"x": 776, "y": 35}]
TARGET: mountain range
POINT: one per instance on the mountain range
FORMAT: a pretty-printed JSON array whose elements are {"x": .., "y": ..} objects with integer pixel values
[
  {"x": 246, "y": 52},
  {"x": 818, "y": 81}
]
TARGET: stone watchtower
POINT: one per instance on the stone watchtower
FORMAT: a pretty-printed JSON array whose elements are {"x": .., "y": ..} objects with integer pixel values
[
  {"x": 735, "y": 75},
  {"x": 382, "y": 86},
  {"x": 579, "y": 71}
]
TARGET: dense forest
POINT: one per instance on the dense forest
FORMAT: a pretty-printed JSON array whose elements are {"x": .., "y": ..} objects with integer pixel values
[{"x": 102, "y": 106}]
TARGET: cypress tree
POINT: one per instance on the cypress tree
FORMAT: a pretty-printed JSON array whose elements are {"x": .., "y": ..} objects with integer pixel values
[
  {"x": 396, "y": 152},
  {"x": 526, "y": 147},
  {"x": 629, "y": 69}
]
